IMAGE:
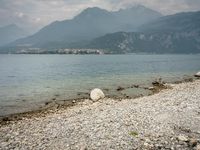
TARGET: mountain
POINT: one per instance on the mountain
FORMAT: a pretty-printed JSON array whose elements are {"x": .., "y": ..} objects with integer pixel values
[
  {"x": 135, "y": 42},
  {"x": 132, "y": 18},
  {"x": 90, "y": 23},
  {"x": 179, "y": 33},
  {"x": 11, "y": 33},
  {"x": 180, "y": 22}
]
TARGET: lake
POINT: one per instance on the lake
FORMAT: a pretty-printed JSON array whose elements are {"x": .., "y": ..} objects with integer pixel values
[{"x": 27, "y": 81}]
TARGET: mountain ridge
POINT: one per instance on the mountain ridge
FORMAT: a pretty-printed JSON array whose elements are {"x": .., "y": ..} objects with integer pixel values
[
  {"x": 90, "y": 23},
  {"x": 179, "y": 33},
  {"x": 166, "y": 23}
]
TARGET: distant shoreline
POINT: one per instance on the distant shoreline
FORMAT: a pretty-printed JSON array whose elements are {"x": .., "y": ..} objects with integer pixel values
[{"x": 55, "y": 53}]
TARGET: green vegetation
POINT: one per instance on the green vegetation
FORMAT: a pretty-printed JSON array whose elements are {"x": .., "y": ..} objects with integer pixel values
[{"x": 133, "y": 133}]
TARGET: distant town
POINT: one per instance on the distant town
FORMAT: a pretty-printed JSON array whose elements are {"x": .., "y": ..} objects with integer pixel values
[{"x": 59, "y": 51}]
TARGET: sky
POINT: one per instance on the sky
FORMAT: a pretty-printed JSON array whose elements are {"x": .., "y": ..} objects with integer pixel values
[{"x": 34, "y": 14}]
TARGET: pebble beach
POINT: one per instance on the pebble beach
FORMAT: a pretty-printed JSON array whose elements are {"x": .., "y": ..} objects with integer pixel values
[{"x": 169, "y": 119}]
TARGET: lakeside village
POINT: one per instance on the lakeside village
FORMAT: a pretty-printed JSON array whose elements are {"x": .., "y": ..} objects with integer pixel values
[{"x": 60, "y": 51}]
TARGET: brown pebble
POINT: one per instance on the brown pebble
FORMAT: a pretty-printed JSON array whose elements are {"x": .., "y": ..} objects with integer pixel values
[
  {"x": 120, "y": 88},
  {"x": 47, "y": 103},
  {"x": 136, "y": 86},
  {"x": 193, "y": 142}
]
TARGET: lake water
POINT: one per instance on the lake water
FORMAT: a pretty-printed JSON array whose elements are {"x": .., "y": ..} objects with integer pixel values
[{"x": 27, "y": 81}]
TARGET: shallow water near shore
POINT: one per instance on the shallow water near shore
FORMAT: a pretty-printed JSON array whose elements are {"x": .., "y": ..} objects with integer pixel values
[{"x": 27, "y": 81}]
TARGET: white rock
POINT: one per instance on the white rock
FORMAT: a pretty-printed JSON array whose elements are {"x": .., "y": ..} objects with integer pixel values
[
  {"x": 151, "y": 88},
  {"x": 96, "y": 94},
  {"x": 197, "y": 74},
  {"x": 182, "y": 138}
]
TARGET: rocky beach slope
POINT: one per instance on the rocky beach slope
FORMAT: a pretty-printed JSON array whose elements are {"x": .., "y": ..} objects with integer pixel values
[{"x": 169, "y": 119}]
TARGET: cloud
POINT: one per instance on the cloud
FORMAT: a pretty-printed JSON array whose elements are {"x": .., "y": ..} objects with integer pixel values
[{"x": 34, "y": 14}]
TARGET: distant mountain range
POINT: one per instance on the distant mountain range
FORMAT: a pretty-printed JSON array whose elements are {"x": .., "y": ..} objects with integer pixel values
[
  {"x": 134, "y": 30},
  {"x": 90, "y": 23},
  {"x": 179, "y": 33},
  {"x": 11, "y": 33}
]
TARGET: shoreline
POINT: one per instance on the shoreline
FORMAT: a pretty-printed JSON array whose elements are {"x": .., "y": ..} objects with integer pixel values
[
  {"x": 52, "y": 106},
  {"x": 166, "y": 120}
]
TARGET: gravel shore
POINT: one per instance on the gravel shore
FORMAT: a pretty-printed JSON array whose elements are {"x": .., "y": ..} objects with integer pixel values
[{"x": 169, "y": 119}]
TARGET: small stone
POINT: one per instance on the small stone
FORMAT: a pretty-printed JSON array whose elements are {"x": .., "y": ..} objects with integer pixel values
[
  {"x": 151, "y": 88},
  {"x": 188, "y": 79},
  {"x": 47, "y": 103},
  {"x": 193, "y": 142},
  {"x": 98, "y": 144},
  {"x": 79, "y": 112},
  {"x": 148, "y": 141},
  {"x": 83, "y": 147},
  {"x": 156, "y": 83},
  {"x": 197, "y": 74},
  {"x": 159, "y": 146},
  {"x": 147, "y": 145},
  {"x": 198, "y": 147},
  {"x": 136, "y": 86},
  {"x": 74, "y": 101},
  {"x": 119, "y": 88},
  {"x": 182, "y": 138}
]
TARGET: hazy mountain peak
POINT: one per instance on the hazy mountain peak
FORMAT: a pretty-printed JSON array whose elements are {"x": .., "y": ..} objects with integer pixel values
[
  {"x": 135, "y": 16},
  {"x": 92, "y": 11},
  {"x": 139, "y": 9},
  {"x": 10, "y": 26},
  {"x": 10, "y": 33}
]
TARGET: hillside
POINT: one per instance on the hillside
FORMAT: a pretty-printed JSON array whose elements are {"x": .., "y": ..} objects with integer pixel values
[
  {"x": 179, "y": 33},
  {"x": 180, "y": 22},
  {"x": 11, "y": 33},
  {"x": 90, "y": 23},
  {"x": 134, "y": 42}
]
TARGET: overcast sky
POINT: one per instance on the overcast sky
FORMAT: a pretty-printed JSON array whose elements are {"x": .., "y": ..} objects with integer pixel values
[{"x": 37, "y": 13}]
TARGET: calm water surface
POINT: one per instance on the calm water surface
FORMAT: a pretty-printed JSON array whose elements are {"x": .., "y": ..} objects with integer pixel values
[{"x": 27, "y": 81}]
